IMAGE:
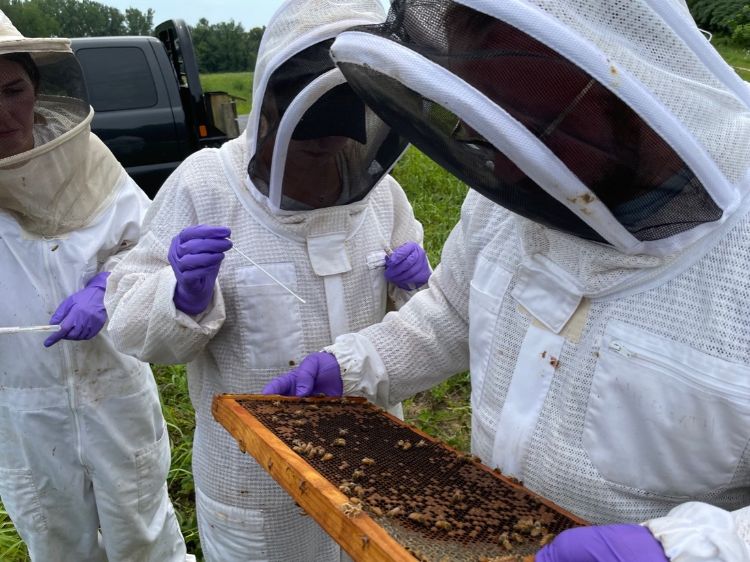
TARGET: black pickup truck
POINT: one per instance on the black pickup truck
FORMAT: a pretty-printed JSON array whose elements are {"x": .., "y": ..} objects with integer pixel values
[{"x": 151, "y": 110}]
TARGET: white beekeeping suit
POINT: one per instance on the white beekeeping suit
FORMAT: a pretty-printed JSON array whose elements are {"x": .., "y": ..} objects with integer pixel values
[
  {"x": 597, "y": 283},
  {"x": 329, "y": 247},
  {"x": 84, "y": 451}
]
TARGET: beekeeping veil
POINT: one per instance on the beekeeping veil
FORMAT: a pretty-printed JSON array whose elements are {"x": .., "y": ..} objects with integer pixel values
[
  {"x": 54, "y": 174},
  {"x": 613, "y": 120},
  {"x": 307, "y": 123}
]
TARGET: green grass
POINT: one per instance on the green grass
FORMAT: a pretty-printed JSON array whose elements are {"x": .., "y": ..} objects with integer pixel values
[
  {"x": 239, "y": 84},
  {"x": 737, "y": 57}
]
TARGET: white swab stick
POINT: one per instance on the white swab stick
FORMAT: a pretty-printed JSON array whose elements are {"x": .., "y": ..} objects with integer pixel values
[
  {"x": 279, "y": 283},
  {"x": 19, "y": 329}
]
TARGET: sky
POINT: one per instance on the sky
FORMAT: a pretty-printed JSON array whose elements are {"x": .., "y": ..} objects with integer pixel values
[{"x": 250, "y": 13}]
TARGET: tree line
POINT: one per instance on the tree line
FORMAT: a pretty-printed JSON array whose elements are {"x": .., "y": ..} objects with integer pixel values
[
  {"x": 220, "y": 47},
  {"x": 725, "y": 17}
]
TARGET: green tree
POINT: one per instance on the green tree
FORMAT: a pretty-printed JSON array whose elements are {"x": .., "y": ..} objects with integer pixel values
[
  {"x": 138, "y": 23},
  {"x": 715, "y": 15},
  {"x": 740, "y": 25},
  {"x": 75, "y": 18},
  {"x": 30, "y": 19},
  {"x": 225, "y": 46},
  {"x": 83, "y": 18}
]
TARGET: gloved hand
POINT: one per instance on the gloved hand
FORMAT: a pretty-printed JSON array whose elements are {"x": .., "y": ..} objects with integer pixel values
[
  {"x": 82, "y": 315},
  {"x": 407, "y": 266},
  {"x": 318, "y": 373},
  {"x": 610, "y": 543},
  {"x": 195, "y": 255}
]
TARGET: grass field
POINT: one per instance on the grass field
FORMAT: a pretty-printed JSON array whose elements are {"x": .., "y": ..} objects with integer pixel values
[
  {"x": 443, "y": 411},
  {"x": 239, "y": 84}
]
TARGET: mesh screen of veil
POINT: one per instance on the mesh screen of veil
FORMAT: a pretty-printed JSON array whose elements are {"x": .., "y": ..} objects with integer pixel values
[
  {"x": 339, "y": 148},
  {"x": 616, "y": 154},
  {"x": 42, "y": 96}
]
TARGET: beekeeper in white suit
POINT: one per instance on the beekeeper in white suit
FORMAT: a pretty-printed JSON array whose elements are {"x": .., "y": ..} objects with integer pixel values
[
  {"x": 84, "y": 451},
  {"x": 306, "y": 196},
  {"x": 597, "y": 283}
]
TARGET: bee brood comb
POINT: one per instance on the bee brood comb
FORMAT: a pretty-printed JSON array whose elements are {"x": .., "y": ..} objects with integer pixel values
[{"x": 385, "y": 491}]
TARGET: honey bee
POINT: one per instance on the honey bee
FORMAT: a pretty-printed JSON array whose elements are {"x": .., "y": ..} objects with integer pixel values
[
  {"x": 351, "y": 510},
  {"x": 416, "y": 516},
  {"x": 326, "y": 457},
  {"x": 339, "y": 442},
  {"x": 368, "y": 461},
  {"x": 546, "y": 539}
]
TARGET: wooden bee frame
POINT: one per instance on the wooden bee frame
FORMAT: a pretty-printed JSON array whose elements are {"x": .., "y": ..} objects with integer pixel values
[{"x": 269, "y": 427}]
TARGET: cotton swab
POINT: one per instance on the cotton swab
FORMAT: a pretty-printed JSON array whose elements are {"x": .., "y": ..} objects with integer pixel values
[
  {"x": 21, "y": 329},
  {"x": 279, "y": 283}
]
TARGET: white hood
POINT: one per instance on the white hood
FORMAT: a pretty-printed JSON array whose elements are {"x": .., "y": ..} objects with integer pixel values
[
  {"x": 647, "y": 54},
  {"x": 294, "y": 78},
  {"x": 68, "y": 176}
]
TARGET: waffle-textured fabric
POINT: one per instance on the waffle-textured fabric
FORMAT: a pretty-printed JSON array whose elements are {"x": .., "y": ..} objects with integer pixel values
[
  {"x": 333, "y": 258},
  {"x": 611, "y": 378},
  {"x": 685, "y": 341},
  {"x": 253, "y": 329}
]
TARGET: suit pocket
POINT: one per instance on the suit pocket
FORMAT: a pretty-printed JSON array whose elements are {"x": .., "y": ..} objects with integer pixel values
[{"x": 664, "y": 417}]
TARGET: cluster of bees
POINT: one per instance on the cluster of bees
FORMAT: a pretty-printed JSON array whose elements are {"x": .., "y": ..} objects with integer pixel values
[{"x": 419, "y": 486}]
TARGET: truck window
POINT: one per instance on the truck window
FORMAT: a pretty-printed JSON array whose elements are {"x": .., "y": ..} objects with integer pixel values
[{"x": 117, "y": 78}]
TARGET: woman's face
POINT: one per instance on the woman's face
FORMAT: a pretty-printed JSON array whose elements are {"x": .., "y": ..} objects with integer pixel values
[{"x": 17, "y": 99}]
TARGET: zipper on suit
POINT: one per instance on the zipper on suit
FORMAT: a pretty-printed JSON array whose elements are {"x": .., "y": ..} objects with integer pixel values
[
  {"x": 67, "y": 362},
  {"x": 726, "y": 389}
]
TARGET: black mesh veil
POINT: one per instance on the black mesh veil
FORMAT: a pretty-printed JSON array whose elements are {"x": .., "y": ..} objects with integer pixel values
[
  {"x": 624, "y": 163},
  {"x": 334, "y": 152}
]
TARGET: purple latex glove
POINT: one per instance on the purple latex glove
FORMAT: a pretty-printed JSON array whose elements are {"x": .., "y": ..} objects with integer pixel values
[
  {"x": 407, "y": 267},
  {"x": 195, "y": 255},
  {"x": 610, "y": 543},
  {"x": 319, "y": 373},
  {"x": 82, "y": 315}
]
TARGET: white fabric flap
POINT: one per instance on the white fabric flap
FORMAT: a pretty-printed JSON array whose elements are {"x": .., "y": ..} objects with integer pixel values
[
  {"x": 532, "y": 376},
  {"x": 547, "y": 291},
  {"x": 328, "y": 254}
]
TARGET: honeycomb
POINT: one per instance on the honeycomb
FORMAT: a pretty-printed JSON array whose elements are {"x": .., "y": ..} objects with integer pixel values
[{"x": 439, "y": 504}]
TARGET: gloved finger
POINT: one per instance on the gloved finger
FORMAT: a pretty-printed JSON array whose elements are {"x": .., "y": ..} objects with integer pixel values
[
  {"x": 403, "y": 251},
  {"x": 200, "y": 276},
  {"x": 204, "y": 245},
  {"x": 77, "y": 327},
  {"x": 192, "y": 262},
  {"x": 415, "y": 274},
  {"x": 62, "y": 311},
  {"x": 283, "y": 385},
  {"x": 305, "y": 383},
  {"x": 203, "y": 231},
  {"x": 66, "y": 326},
  {"x": 415, "y": 258}
]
